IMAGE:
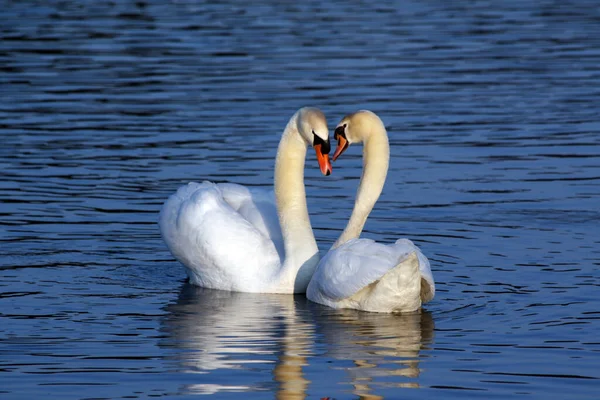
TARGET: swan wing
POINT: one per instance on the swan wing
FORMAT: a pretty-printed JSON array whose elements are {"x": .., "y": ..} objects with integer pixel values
[
  {"x": 217, "y": 244},
  {"x": 359, "y": 262},
  {"x": 258, "y": 207}
]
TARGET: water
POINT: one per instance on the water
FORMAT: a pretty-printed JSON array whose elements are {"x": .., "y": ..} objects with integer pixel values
[{"x": 492, "y": 111}]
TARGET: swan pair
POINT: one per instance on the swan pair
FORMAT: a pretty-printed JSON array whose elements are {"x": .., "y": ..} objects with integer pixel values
[{"x": 230, "y": 237}]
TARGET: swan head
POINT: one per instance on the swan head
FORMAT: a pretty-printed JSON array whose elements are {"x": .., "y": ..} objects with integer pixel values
[
  {"x": 312, "y": 127},
  {"x": 355, "y": 128}
]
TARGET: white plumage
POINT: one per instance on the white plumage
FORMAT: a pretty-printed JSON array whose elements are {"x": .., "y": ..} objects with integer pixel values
[
  {"x": 360, "y": 273},
  {"x": 226, "y": 235},
  {"x": 233, "y": 238},
  {"x": 366, "y": 275}
]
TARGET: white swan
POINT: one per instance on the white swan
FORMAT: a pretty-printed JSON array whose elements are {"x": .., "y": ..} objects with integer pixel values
[
  {"x": 360, "y": 273},
  {"x": 233, "y": 238}
]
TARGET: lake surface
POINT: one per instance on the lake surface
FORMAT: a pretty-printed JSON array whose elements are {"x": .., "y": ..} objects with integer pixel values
[{"x": 493, "y": 114}]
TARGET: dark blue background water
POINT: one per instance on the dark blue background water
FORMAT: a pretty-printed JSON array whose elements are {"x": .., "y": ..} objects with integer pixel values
[{"x": 492, "y": 111}]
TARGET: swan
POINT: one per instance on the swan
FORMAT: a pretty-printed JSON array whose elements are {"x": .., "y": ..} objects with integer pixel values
[
  {"x": 233, "y": 238},
  {"x": 360, "y": 273}
]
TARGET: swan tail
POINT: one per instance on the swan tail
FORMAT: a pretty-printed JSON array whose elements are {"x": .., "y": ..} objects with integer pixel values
[{"x": 427, "y": 281}]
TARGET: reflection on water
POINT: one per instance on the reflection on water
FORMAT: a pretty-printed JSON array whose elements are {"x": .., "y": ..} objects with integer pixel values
[
  {"x": 219, "y": 332},
  {"x": 224, "y": 331},
  {"x": 379, "y": 345}
]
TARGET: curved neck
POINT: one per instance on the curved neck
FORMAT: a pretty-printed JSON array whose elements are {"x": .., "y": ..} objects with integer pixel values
[
  {"x": 376, "y": 156},
  {"x": 299, "y": 241}
]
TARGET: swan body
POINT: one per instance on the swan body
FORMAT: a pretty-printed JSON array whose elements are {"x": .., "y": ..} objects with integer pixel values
[
  {"x": 364, "y": 275},
  {"x": 360, "y": 273},
  {"x": 233, "y": 238},
  {"x": 210, "y": 228}
]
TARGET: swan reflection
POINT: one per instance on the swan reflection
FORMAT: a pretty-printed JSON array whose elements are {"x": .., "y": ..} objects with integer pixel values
[
  {"x": 379, "y": 345},
  {"x": 219, "y": 330},
  {"x": 231, "y": 338}
]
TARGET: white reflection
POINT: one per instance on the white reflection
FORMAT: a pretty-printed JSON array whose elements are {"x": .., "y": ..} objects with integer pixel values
[
  {"x": 379, "y": 345},
  {"x": 217, "y": 330},
  {"x": 228, "y": 330}
]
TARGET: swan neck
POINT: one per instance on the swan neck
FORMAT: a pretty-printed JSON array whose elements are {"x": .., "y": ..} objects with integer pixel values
[
  {"x": 299, "y": 241},
  {"x": 376, "y": 155}
]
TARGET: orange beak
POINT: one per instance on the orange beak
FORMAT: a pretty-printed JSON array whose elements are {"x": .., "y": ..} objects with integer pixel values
[
  {"x": 341, "y": 146},
  {"x": 323, "y": 160}
]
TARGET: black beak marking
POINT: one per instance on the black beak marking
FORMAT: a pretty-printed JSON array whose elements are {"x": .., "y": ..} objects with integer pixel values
[
  {"x": 340, "y": 131},
  {"x": 325, "y": 144}
]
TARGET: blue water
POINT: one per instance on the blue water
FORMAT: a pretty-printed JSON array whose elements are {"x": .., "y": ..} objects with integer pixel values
[{"x": 492, "y": 111}]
